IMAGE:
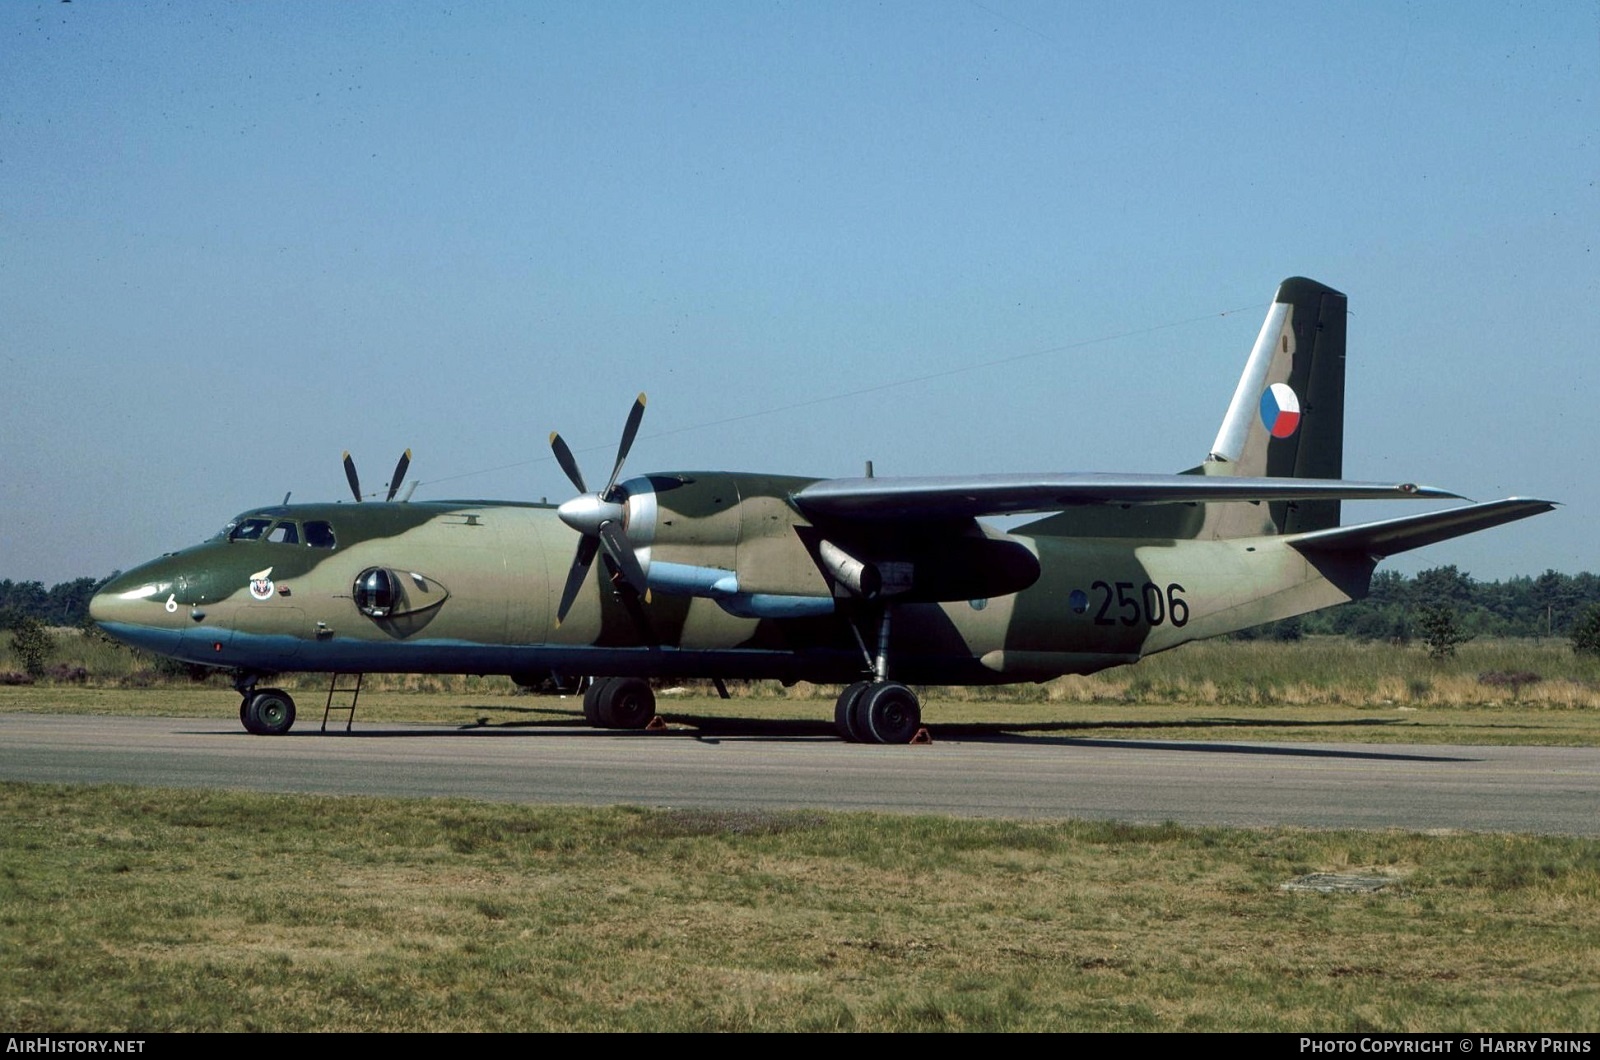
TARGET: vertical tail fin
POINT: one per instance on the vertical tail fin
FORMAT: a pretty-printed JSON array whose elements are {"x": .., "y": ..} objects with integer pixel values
[
  {"x": 1286, "y": 420},
  {"x": 1287, "y": 414}
]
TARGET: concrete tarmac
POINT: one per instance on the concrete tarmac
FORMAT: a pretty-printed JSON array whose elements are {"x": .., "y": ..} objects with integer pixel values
[{"x": 1414, "y": 787}]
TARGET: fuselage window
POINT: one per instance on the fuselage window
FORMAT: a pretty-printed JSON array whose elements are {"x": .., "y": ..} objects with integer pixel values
[
  {"x": 250, "y": 530},
  {"x": 285, "y": 533},
  {"x": 320, "y": 535}
]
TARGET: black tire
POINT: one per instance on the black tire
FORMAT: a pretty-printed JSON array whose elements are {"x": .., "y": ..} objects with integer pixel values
[
  {"x": 888, "y": 713},
  {"x": 245, "y": 717},
  {"x": 591, "y": 700},
  {"x": 270, "y": 712},
  {"x": 844, "y": 711},
  {"x": 627, "y": 703}
]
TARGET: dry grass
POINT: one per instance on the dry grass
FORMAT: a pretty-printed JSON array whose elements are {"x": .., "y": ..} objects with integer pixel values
[{"x": 137, "y": 910}]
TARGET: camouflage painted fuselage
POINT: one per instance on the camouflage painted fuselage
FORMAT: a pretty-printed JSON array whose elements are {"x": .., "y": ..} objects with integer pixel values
[{"x": 736, "y": 590}]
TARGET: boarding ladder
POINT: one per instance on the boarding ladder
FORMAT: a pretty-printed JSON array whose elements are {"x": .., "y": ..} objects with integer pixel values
[{"x": 335, "y": 688}]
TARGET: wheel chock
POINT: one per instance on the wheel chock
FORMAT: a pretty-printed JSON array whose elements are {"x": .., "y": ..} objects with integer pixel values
[
  {"x": 657, "y": 724},
  {"x": 922, "y": 737}
]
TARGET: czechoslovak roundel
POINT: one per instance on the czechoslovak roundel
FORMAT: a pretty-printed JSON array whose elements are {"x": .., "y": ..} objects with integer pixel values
[{"x": 1280, "y": 410}]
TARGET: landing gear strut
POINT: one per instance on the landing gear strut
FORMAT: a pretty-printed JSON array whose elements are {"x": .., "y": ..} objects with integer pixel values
[
  {"x": 880, "y": 710},
  {"x": 619, "y": 703}
]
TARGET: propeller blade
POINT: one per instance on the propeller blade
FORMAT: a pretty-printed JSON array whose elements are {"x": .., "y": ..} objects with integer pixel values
[
  {"x": 577, "y": 575},
  {"x": 564, "y": 458},
  {"x": 629, "y": 431},
  {"x": 636, "y": 611},
  {"x": 620, "y": 553},
  {"x": 350, "y": 476},
  {"x": 399, "y": 474}
]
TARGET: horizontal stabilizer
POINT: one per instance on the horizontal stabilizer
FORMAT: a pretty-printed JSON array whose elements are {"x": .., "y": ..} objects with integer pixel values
[
  {"x": 1392, "y": 536},
  {"x": 953, "y": 497}
]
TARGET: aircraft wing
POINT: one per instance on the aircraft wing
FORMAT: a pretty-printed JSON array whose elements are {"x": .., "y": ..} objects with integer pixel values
[
  {"x": 1392, "y": 536},
  {"x": 949, "y": 497}
]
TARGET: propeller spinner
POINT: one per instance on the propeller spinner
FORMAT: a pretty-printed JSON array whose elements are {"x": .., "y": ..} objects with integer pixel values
[{"x": 598, "y": 516}]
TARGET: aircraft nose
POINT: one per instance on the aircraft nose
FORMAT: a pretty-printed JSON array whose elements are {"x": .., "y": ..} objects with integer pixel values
[
  {"x": 100, "y": 607},
  {"x": 139, "y": 598},
  {"x": 119, "y": 600}
]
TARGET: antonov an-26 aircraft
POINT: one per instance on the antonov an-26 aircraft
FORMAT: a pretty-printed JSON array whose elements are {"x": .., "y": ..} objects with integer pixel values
[{"x": 875, "y": 584}]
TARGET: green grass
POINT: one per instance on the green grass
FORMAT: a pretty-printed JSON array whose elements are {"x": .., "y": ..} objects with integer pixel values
[{"x": 128, "y": 909}]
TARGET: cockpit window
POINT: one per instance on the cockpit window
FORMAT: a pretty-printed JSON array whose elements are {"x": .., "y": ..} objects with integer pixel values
[
  {"x": 317, "y": 534},
  {"x": 249, "y": 530}
]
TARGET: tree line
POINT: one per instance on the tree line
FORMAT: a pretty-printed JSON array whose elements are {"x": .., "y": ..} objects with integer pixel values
[
  {"x": 1398, "y": 608},
  {"x": 65, "y": 604}
]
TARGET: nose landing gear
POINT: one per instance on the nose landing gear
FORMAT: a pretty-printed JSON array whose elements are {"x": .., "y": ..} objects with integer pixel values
[{"x": 263, "y": 711}]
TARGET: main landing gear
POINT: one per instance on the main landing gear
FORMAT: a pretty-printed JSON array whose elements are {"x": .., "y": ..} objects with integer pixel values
[
  {"x": 877, "y": 712},
  {"x": 619, "y": 703},
  {"x": 263, "y": 711}
]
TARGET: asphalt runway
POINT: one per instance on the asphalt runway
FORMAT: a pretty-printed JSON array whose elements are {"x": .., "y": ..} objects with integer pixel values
[{"x": 1414, "y": 787}]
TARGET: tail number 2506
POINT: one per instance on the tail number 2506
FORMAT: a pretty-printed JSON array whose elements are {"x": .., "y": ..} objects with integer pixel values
[{"x": 1132, "y": 604}]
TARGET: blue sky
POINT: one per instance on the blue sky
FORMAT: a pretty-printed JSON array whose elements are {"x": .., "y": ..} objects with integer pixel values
[{"x": 943, "y": 235}]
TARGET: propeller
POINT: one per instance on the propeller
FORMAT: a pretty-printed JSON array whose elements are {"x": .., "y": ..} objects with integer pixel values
[
  {"x": 394, "y": 481},
  {"x": 351, "y": 476},
  {"x": 598, "y": 516},
  {"x": 399, "y": 474}
]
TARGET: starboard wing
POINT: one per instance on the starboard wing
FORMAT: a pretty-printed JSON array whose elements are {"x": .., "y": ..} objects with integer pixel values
[{"x": 954, "y": 497}]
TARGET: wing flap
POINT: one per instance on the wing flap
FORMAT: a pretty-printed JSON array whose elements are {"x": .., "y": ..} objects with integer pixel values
[
  {"x": 1392, "y": 536},
  {"x": 952, "y": 497}
]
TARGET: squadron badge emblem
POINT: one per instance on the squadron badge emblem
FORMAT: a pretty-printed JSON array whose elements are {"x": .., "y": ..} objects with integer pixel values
[{"x": 261, "y": 584}]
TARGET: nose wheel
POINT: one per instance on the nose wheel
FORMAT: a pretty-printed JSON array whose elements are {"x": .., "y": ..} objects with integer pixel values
[{"x": 267, "y": 712}]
